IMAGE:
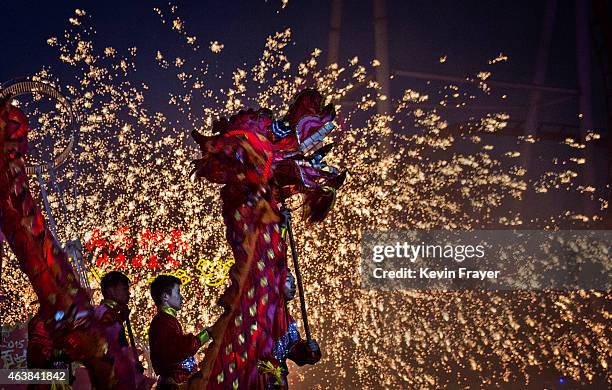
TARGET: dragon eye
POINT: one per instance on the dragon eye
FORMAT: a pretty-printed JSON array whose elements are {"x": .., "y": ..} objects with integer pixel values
[{"x": 280, "y": 129}]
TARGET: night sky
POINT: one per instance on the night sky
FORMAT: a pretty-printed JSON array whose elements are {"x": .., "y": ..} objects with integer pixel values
[{"x": 469, "y": 32}]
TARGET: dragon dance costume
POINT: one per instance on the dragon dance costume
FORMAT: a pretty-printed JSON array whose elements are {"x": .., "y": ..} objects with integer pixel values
[
  {"x": 41, "y": 353},
  {"x": 261, "y": 162},
  {"x": 65, "y": 313}
]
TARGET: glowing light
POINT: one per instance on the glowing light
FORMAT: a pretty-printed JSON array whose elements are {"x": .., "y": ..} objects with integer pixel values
[{"x": 133, "y": 170}]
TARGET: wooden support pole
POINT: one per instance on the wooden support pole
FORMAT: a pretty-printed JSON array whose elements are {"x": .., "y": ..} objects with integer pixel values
[
  {"x": 381, "y": 51},
  {"x": 601, "y": 10},
  {"x": 296, "y": 270},
  {"x": 539, "y": 77},
  {"x": 583, "y": 59},
  {"x": 335, "y": 21},
  {"x": 540, "y": 66}
]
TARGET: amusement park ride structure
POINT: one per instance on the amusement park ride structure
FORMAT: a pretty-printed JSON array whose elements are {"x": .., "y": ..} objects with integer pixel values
[{"x": 45, "y": 172}]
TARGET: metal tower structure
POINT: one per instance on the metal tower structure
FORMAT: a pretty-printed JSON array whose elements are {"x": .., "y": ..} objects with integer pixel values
[
  {"x": 73, "y": 248},
  {"x": 532, "y": 124}
]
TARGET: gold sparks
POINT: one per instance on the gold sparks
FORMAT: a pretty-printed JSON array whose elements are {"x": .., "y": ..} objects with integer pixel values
[
  {"x": 500, "y": 58},
  {"x": 177, "y": 24},
  {"x": 134, "y": 166},
  {"x": 216, "y": 47},
  {"x": 591, "y": 136}
]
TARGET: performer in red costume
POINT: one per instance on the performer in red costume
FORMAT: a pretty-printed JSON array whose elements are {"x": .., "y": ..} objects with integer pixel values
[
  {"x": 171, "y": 350},
  {"x": 42, "y": 354},
  {"x": 261, "y": 161},
  {"x": 112, "y": 313},
  {"x": 113, "y": 310},
  {"x": 65, "y": 308},
  {"x": 40, "y": 345},
  {"x": 274, "y": 371}
]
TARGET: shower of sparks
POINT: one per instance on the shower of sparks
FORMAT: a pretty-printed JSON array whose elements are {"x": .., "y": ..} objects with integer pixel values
[
  {"x": 132, "y": 171},
  {"x": 216, "y": 47}
]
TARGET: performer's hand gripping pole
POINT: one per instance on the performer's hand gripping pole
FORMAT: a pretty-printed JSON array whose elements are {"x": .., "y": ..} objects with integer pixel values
[{"x": 296, "y": 268}]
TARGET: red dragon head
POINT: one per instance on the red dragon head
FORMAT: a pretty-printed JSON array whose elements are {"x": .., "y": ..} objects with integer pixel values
[{"x": 295, "y": 149}]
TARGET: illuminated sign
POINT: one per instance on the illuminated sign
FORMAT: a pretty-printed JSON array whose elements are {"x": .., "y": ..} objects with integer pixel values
[{"x": 152, "y": 249}]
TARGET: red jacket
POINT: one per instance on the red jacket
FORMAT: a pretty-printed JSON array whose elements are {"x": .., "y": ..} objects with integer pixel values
[
  {"x": 170, "y": 348},
  {"x": 111, "y": 316}
]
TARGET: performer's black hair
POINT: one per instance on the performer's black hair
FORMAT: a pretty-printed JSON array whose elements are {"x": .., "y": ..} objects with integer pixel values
[
  {"x": 163, "y": 284},
  {"x": 113, "y": 279}
]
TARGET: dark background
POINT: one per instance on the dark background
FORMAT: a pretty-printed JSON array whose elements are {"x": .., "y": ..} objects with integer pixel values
[{"x": 469, "y": 32}]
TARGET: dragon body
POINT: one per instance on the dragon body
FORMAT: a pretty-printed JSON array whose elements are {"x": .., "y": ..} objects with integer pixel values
[
  {"x": 261, "y": 162},
  {"x": 65, "y": 307}
]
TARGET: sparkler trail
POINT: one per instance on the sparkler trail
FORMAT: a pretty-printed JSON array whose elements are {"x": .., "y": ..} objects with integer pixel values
[{"x": 140, "y": 213}]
